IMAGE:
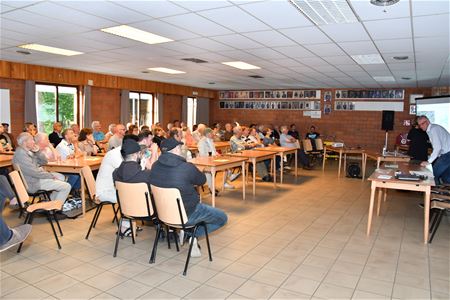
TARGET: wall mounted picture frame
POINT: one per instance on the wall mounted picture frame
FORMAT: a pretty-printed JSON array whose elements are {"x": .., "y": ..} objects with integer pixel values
[
  {"x": 392, "y": 94},
  {"x": 270, "y": 105},
  {"x": 271, "y": 94}
]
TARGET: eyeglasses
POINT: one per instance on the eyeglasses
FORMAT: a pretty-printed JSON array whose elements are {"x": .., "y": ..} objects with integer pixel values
[{"x": 422, "y": 123}]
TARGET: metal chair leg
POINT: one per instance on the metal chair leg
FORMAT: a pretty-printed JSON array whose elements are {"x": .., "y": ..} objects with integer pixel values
[
  {"x": 168, "y": 236},
  {"x": 190, "y": 250},
  {"x": 436, "y": 226},
  {"x": 132, "y": 231},
  {"x": 57, "y": 223},
  {"x": 98, "y": 211},
  {"x": 119, "y": 233},
  {"x": 49, "y": 218},
  {"x": 28, "y": 220},
  {"x": 93, "y": 221},
  {"x": 115, "y": 213},
  {"x": 155, "y": 244},
  {"x": 207, "y": 241},
  {"x": 175, "y": 236}
]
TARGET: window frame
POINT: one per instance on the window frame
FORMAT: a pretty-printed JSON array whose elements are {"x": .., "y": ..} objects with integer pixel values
[{"x": 154, "y": 106}]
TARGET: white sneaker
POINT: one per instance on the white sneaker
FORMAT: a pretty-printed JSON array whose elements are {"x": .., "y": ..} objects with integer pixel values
[
  {"x": 19, "y": 234},
  {"x": 233, "y": 177},
  {"x": 287, "y": 167},
  {"x": 195, "y": 248},
  {"x": 228, "y": 186},
  {"x": 181, "y": 237}
]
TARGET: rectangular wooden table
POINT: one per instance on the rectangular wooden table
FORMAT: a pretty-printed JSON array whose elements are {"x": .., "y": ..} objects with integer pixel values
[
  {"x": 74, "y": 166},
  {"x": 282, "y": 152},
  {"x": 220, "y": 163},
  {"x": 343, "y": 152},
  {"x": 398, "y": 157},
  {"x": 5, "y": 160},
  {"x": 379, "y": 180},
  {"x": 224, "y": 147},
  {"x": 254, "y": 156}
]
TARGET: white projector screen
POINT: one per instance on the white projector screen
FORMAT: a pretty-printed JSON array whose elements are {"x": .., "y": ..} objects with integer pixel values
[{"x": 437, "y": 109}]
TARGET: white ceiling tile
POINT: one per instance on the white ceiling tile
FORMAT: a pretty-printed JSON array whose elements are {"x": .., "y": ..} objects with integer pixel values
[
  {"x": 202, "y": 5},
  {"x": 395, "y": 45},
  {"x": 238, "y": 55},
  {"x": 237, "y": 41},
  {"x": 339, "y": 60},
  {"x": 367, "y": 11},
  {"x": 349, "y": 32},
  {"x": 306, "y": 35},
  {"x": 266, "y": 53},
  {"x": 107, "y": 10},
  {"x": 378, "y": 67},
  {"x": 402, "y": 67},
  {"x": 197, "y": 24},
  {"x": 325, "y": 49},
  {"x": 156, "y": 9},
  {"x": 208, "y": 44},
  {"x": 357, "y": 48},
  {"x": 5, "y": 8},
  {"x": 313, "y": 61},
  {"x": 235, "y": 19},
  {"x": 288, "y": 62},
  {"x": 389, "y": 29},
  {"x": 430, "y": 7},
  {"x": 270, "y": 38},
  {"x": 109, "y": 39},
  {"x": 432, "y": 44},
  {"x": 436, "y": 25},
  {"x": 166, "y": 30},
  {"x": 350, "y": 68},
  {"x": 295, "y": 51},
  {"x": 20, "y": 3},
  {"x": 277, "y": 14}
]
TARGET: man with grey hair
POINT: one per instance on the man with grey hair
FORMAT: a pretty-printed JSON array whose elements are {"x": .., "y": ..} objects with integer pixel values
[
  {"x": 111, "y": 132},
  {"x": 198, "y": 134},
  {"x": 30, "y": 160},
  {"x": 440, "y": 157},
  {"x": 99, "y": 136},
  {"x": 116, "y": 140}
]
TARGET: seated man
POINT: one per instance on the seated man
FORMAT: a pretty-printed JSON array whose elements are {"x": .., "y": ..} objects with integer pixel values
[
  {"x": 42, "y": 141},
  {"x": 10, "y": 237},
  {"x": 56, "y": 137},
  {"x": 67, "y": 150},
  {"x": 238, "y": 144},
  {"x": 288, "y": 141},
  {"x": 31, "y": 160},
  {"x": 312, "y": 135},
  {"x": 116, "y": 140},
  {"x": 130, "y": 170},
  {"x": 172, "y": 171}
]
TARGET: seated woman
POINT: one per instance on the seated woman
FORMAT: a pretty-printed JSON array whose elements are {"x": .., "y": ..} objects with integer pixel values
[{"x": 86, "y": 142}]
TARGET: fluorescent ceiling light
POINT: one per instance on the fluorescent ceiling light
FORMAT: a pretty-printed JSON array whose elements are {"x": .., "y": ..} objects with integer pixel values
[
  {"x": 241, "y": 65},
  {"x": 368, "y": 59},
  {"x": 49, "y": 49},
  {"x": 166, "y": 70},
  {"x": 136, "y": 34},
  {"x": 384, "y": 78},
  {"x": 322, "y": 12}
]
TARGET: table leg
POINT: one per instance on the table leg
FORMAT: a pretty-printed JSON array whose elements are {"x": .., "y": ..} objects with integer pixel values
[
  {"x": 296, "y": 163},
  {"x": 380, "y": 191},
  {"x": 426, "y": 216},
  {"x": 83, "y": 195},
  {"x": 224, "y": 180},
  {"x": 254, "y": 176},
  {"x": 274, "y": 171},
  {"x": 372, "y": 198},
  {"x": 340, "y": 162},
  {"x": 324, "y": 158},
  {"x": 213, "y": 188},
  {"x": 243, "y": 180},
  {"x": 281, "y": 168},
  {"x": 364, "y": 164},
  {"x": 378, "y": 162}
]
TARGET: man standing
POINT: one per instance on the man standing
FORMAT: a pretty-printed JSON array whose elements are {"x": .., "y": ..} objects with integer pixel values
[
  {"x": 116, "y": 140},
  {"x": 440, "y": 157},
  {"x": 56, "y": 137},
  {"x": 30, "y": 160},
  {"x": 172, "y": 171}
]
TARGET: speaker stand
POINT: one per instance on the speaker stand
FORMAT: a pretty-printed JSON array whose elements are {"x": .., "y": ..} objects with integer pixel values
[{"x": 385, "y": 144}]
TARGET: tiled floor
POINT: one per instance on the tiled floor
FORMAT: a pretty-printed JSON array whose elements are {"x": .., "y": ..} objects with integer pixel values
[{"x": 305, "y": 240}]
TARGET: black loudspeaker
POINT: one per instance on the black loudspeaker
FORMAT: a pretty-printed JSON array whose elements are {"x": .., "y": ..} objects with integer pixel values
[
  {"x": 387, "y": 121},
  {"x": 353, "y": 170}
]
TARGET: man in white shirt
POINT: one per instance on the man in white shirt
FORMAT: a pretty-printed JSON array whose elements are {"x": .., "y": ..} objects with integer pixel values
[
  {"x": 440, "y": 157},
  {"x": 67, "y": 150},
  {"x": 197, "y": 135},
  {"x": 288, "y": 141}
]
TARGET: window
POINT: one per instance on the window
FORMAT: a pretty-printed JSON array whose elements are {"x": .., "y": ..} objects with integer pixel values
[
  {"x": 191, "y": 112},
  {"x": 56, "y": 103},
  {"x": 143, "y": 109}
]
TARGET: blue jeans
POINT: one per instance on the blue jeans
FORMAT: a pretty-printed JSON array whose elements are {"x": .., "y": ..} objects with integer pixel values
[
  {"x": 213, "y": 217},
  {"x": 5, "y": 192},
  {"x": 74, "y": 181},
  {"x": 441, "y": 169}
]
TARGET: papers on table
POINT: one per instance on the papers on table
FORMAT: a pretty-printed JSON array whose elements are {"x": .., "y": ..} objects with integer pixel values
[{"x": 384, "y": 177}]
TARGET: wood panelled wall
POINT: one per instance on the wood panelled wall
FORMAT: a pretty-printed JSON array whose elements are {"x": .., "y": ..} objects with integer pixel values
[
  {"x": 21, "y": 71},
  {"x": 354, "y": 128},
  {"x": 172, "y": 109}
]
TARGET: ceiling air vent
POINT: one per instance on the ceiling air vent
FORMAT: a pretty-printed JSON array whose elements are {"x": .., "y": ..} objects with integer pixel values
[
  {"x": 383, "y": 2},
  {"x": 255, "y": 76},
  {"x": 195, "y": 60}
]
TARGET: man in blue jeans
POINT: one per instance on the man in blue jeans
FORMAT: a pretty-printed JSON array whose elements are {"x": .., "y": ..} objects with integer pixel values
[
  {"x": 172, "y": 171},
  {"x": 10, "y": 237},
  {"x": 440, "y": 157}
]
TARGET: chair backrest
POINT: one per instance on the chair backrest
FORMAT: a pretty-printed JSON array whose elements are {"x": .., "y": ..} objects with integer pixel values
[
  {"x": 19, "y": 186},
  {"x": 19, "y": 170},
  {"x": 90, "y": 181},
  {"x": 319, "y": 144},
  {"x": 307, "y": 146},
  {"x": 134, "y": 199},
  {"x": 169, "y": 205}
]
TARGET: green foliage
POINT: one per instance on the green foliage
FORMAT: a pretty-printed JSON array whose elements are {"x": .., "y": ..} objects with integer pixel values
[
  {"x": 47, "y": 110},
  {"x": 66, "y": 109}
]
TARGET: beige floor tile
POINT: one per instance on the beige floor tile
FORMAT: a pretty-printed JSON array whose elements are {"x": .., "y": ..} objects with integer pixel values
[
  {"x": 173, "y": 266},
  {"x": 105, "y": 296},
  {"x": 415, "y": 280},
  {"x": 286, "y": 294},
  {"x": 108, "y": 262},
  {"x": 301, "y": 285},
  {"x": 28, "y": 292},
  {"x": 56, "y": 283},
  {"x": 37, "y": 274},
  {"x": 80, "y": 291},
  {"x": 311, "y": 272},
  {"x": 282, "y": 266},
  {"x": 179, "y": 286},
  {"x": 319, "y": 261},
  {"x": 105, "y": 281},
  {"x": 153, "y": 277},
  {"x": 242, "y": 270},
  {"x": 11, "y": 284},
  {"x": 408, "y": 292},
  {"x": 19, "y": 266},
  {"x": 341, "y": 279},
  {"x": 48, "y": 257},
  {"x": 130, "y": 269},
  {"x": 84, "y": 271},
  {"x": 226, "y": 281},
  {"x": 254, "y": 259},
  {"x": 208, "y": 292},
  {"x": 200, "y": 274},
  {"x": 129, "y": 289},
  {"x": 440, "y": 286},
  {"x": 255, "y": 290},
  {"x": 65, "y": 264},
  {"x": 329, "y": 291},
  {"x": 375, "y": 286},
  {"x": 270, "y": 277},
  {"x": 439, "y": 296},
  {"x": 366, "y": 295},
  {"x": 158, "y": 294},
  {"x": 386, "y": 274},
  {"x": 347, "y": 268}
]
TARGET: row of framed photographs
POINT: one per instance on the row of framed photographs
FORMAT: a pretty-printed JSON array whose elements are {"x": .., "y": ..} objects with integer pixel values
[
  {"x": 286, "y": 94},
  {"x": 270, "y": 105},
  {"x": 369, "y": 94},
  {"x": 344, "y": 105}
]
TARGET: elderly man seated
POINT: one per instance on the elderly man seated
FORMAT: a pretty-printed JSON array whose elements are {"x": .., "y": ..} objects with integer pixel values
[{"x": 30, "y": 160}]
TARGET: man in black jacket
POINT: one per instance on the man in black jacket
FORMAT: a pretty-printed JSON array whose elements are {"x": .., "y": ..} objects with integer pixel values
[
  {"x": 172, "y": 171},
  {"x": 56, "y": 137},
  {"x": 130, "y": 171}
]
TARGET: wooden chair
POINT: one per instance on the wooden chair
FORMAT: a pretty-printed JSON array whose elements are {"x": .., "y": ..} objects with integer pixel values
[
  {"x": 90, "y": 184},
  {"x": 309, "y": 150},
  {"x": 134, "y": 204},
  {"x": 40, "y": 195},
  {"x": 171, "y": 212},
  {"x": 48, "y": 208},
  {"x": 440, "y": 203}
]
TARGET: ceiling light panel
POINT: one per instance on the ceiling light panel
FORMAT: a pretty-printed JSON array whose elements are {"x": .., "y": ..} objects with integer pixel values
[
  {"x": 166, "y": 70},
  {"x": 384, "y": 78},
  {"x": 136, "y": 34},
  {"x": 368, "y": 59},
  {"x": 241, "y": 65},
  {"x": 322, "y": 12},
  {"x": 49, "y": 49}
]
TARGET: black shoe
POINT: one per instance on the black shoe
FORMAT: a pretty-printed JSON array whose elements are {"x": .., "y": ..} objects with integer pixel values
[
  {"x": 307, "y": 168},
  {"x": 267, "y": 178}
]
